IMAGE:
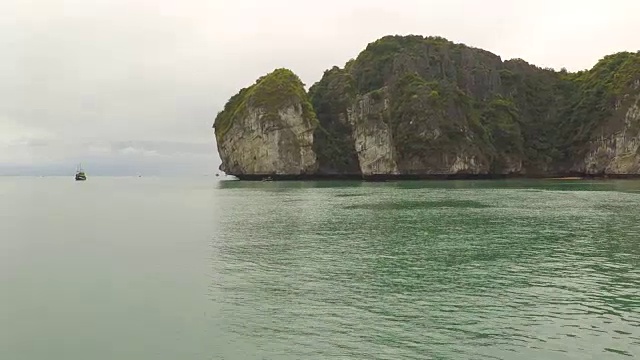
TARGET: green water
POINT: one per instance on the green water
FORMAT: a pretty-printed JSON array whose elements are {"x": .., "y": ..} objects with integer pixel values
[{"x": 150, "y": 268}]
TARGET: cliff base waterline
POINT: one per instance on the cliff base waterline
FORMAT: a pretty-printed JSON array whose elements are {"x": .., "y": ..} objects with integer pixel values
[{"x": 405, "y": 177}]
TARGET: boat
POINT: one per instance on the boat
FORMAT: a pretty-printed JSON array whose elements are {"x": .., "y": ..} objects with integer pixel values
[{"x": 80, "y": 175}]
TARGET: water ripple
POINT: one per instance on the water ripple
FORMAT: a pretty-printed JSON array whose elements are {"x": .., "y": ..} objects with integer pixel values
[{"x": 414, "y": 273}]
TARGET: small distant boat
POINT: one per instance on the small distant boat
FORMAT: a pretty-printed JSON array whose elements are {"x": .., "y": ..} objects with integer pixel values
[
  {"x": 268, "y": 178},
  {"x": 80, "y": 175}
]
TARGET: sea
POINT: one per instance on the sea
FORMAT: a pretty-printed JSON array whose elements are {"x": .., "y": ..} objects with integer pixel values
[{"x": 146, "y": 268}]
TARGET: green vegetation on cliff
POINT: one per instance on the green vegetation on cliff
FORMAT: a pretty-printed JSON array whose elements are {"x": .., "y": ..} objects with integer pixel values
[
  {"x": 423, "y": 117},
  {"x": 270, "y": 93},
  {"x": 333, "y": 144},
  {"x": 446, "y": 97},
  {"x": 449, "y": 107},
  {"x": 379, "y": 61},
  {"x": 596, "y": 94}
]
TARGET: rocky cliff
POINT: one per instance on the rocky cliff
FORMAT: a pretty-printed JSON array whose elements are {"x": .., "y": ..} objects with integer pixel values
[
  {"x": 619, "y": 151},
  {"x": 424, "y": 106},
  {"x": 267, "y": 129}
]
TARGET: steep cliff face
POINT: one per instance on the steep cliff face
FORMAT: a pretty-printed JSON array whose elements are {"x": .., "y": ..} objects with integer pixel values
[
  {"x": 619, "y": 152},
  {"x": 530, "y": 108},
  {"x": 267, "y": 129},
  {"x": 368, "y": 116},
  {"x": 333, "y": 141},
  {"x": 413, "y": 105},
  {"x": 604, "y": 121},
  {"x": 406, "y": 110},
  {"x": 432, "y": 131},
  {"x": 421, "y": 105}
]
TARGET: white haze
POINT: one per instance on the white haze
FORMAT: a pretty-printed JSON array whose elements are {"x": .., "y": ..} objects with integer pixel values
[{"x": 128, "y": 86}]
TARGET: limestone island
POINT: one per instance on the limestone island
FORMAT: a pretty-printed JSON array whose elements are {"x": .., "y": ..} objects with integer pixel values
[{"x": 424, "y": 107}]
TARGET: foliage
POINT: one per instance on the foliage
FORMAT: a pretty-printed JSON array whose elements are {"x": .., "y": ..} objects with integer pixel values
[
  {"x": 594, "y": 96},
  {"x": 500, "y": 120},
  {"x": 373, "y": 66},
  {"x": 333, "y": 145},
  {"x": 432, "y": 117},
  {"x": 270, "y": 93},
  {"x": 539, "y": 115},
  {"x": 444, "y": 97}
]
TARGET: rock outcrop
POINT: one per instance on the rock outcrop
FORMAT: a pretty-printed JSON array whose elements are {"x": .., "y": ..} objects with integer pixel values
[
  {"x": 618, "y": 153},
  {"x": 424, "y": 106},
  {"x": 267, "y": 129},
  {"x": 371, "y": 135}
]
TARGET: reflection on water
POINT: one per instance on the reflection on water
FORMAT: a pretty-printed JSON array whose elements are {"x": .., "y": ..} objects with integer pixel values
[{"x": 506, "y": 270}]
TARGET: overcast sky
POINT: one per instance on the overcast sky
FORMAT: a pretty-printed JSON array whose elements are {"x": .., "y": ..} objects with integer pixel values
[{"x": 129, "y": 86}]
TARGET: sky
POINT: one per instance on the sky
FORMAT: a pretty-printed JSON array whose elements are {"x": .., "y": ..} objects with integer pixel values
[{"x": 133, "y": 86}]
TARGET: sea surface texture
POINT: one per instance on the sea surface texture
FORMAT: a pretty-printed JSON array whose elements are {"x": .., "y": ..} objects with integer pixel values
[{"x": 194, "y": 268}]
